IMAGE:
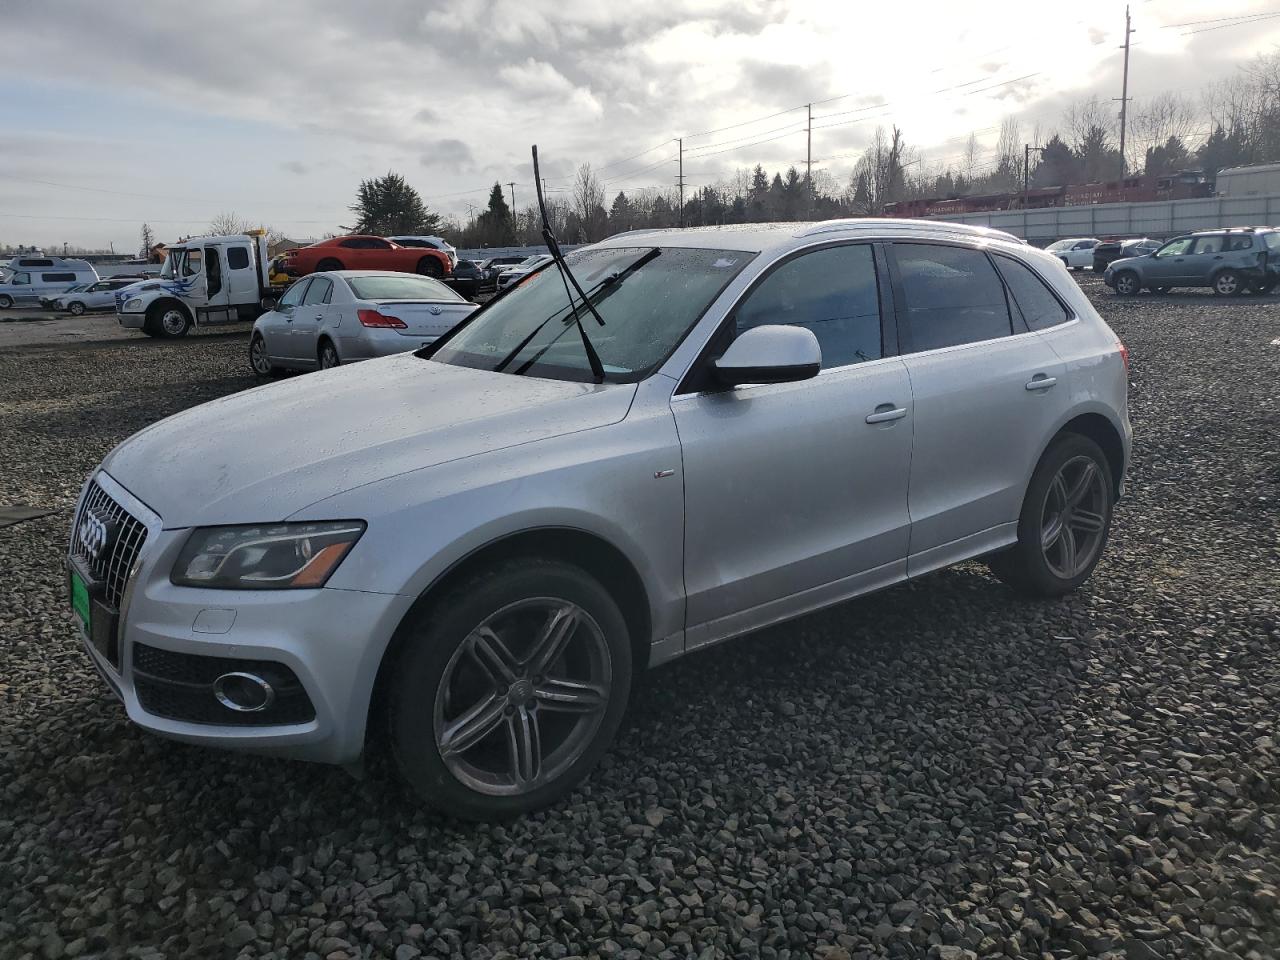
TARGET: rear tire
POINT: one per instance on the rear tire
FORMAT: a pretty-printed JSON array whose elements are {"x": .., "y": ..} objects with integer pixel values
[
  {"x": 259, "y": 361},
  {"x": 1065, "y": 521},
  {"x": 537, "y": 655},
  {"x": 327, "y": 356},
  {"x": 1227, "y": 283},
  {"x": 329, "y": 263},
  {"x": 1126, "y": 283},
  {"x": 430, "y": 267}
]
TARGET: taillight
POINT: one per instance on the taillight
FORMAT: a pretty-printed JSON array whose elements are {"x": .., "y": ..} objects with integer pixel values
[
  {"x": 372, "y": 318},
  {"x": 1124, "y": 354}
]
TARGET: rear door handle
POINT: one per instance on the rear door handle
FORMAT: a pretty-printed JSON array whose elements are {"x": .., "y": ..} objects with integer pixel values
[
  {"x": 886, "y": 412},
  {"x": 1041, "y": 382}
]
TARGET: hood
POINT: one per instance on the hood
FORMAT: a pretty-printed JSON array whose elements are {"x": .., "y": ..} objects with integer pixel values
[
  {"x": 1121, "y": 262},
  {"x": 264, "y": 454}
]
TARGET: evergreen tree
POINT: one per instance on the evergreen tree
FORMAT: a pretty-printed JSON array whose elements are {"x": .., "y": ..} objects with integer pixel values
[
  {"x": 388, "y": 205},
  {"x": 495, "y": 225},
  {"x": 620, "y": 214},
  {"x": 148, "y": 241}
]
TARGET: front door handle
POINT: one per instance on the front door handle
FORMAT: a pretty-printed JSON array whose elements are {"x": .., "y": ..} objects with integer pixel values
[
  {"x": 319, "y": 316},
  {"x": 886, "y": 412},
  {"x": 1041, "y": 382}
]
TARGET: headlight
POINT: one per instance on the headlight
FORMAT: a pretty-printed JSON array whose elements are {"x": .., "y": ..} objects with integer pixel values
[
  {"x": 134, "y": 304},
  {"x": 266, "y": 556}
]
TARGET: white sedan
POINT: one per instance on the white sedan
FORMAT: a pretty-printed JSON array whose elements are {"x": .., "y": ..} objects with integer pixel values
[
  {"x": 336, "y": 316},
  {"x": 1076, "y": 253}
]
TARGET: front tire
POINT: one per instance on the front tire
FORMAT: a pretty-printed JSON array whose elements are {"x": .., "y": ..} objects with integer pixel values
[
  {"x": 1065, "y": 521},
  {"x": 430, "y": 267},
  {"x": 259, "y": 360},
  {"x": 1127, "y": 284},
  {"x": 6, "y": 301},
  {"x": 167, "y": 321},
  {"x": 509, "y": 689},
  {"x": 76, "y": 308}
]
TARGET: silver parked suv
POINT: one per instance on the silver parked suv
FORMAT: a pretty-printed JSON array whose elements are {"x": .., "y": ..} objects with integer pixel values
[
  {"x": 1229, "y": 261},
  {"x": 475, "y": 547}
]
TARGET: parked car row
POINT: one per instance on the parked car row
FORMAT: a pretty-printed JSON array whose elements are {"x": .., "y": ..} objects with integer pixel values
[
  {"x": 1230, "y": 261},
  {"x": 89, "y": 297}
]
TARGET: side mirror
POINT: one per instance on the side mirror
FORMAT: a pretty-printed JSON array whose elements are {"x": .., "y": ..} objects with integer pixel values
[
  {"x": 770, "y": 354},
  {"x": 268, "y": 303}
]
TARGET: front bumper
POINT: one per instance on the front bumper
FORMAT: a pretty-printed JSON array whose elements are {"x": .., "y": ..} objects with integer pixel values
[
  {"x": 330, "y": 641},
  {"x": 133, "y": 321}
]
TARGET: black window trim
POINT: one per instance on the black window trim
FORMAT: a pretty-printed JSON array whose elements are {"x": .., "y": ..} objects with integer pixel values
[
  {"x": 1008, "y": 292},
  {"x": 695, "y": 379}
]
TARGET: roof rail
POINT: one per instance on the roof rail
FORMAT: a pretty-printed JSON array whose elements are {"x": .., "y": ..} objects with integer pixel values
[{"x": 941, "y": 226}]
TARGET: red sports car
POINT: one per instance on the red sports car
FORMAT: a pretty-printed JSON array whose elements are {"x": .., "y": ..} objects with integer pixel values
[{"x": 365, "y": 253}]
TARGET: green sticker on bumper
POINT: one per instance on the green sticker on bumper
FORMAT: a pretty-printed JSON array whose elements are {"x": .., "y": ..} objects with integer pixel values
[{"x": 80, "y": 598}]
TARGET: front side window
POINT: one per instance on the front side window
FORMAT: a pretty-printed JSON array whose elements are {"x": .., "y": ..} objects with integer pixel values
[
  {"x": 21, "y": 278},
  {"x": 1175, "y": 248},
  {"x": 1209, "y": 244},
  {"x": 648, "y": 297},
  {"x": 293, "y": 296},
  {"x": 953, "y": 296},
  {"x": 353, "y": 244},
  {"x": 1031, "y": 298},
  {"x": 833, "y": 293}
]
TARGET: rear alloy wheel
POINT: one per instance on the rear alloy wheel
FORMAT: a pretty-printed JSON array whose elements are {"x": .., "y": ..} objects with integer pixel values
[
  {"x": 510, "y": 689},
  {"x": 1263, "y": 288},
  {"x": 1126, "y": 283},
  {"x": 430, "y": 267},
  {"x": 76, "y": 308},
  {"x": 259, "y": 359},
  {"x": 329, "y": 355},
  {"x": 1065, "y": 520},
  {"x": 1227, "y": 284}
]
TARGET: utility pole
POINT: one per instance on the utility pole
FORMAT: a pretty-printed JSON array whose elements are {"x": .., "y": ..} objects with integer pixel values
[
  {"x": 512, "y": 185},
  {"x": 1124, "y": 93},
  {"x": 1026, "y": 171},
  {"x": 680, "y": 181},
  {"x": 808, "y": 158}
]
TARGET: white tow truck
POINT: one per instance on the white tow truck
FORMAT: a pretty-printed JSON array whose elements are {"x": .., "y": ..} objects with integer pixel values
[{"x": 204, "y": 281}]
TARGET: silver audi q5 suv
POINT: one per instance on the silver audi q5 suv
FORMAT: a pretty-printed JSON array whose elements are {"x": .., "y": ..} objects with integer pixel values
[{"x": 476, "y": 546}]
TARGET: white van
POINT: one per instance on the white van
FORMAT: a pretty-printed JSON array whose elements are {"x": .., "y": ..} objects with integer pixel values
[{"x": 27, "y": 279}]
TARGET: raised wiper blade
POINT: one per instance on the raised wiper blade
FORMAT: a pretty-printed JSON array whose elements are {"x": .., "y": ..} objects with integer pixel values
[{"x": 567, "y": 277}]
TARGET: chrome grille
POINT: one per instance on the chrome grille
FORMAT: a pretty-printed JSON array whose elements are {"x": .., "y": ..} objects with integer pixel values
[{"x": 116, "y": 560}]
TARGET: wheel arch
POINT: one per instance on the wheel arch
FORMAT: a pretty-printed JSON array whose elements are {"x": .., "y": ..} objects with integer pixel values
[
  {"x": 162, "y": 303},
  {"x": 586, "y": 550},
  {"x": 1101, "y": 430}
]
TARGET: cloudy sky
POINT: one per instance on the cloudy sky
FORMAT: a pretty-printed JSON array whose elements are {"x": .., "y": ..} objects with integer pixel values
[{"x": 172, "y": 113}]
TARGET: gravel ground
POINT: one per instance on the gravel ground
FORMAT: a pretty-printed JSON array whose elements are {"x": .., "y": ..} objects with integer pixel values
[{"x": 942, "y": 770}]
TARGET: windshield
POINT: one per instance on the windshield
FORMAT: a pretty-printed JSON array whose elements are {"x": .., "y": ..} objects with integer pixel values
[
  {"x": 405, "y": 287},
  {"x": 166, "y": 269},
  {"x": 648, "y": 298},
  {"x": 1060, "y": 245}
]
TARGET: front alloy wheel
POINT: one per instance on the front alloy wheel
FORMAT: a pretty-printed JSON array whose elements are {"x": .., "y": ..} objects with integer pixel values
[
  {"x": 509, "y": 689},
  {"x": 76, "y": 308},
  {"x": 1127, "y": 284}
]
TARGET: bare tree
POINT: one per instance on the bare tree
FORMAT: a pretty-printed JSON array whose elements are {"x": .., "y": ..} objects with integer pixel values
[
  {"x": 1009, "y": 156},
  {"x": 1156, "y": 120},
  {"x": 588, "y": 203},
  {"x": 229, "y": 223},
  {"x": 879, "y": 177},
  {"x": 1086, "y": 116},
  {"x": 970, "y": 161}
]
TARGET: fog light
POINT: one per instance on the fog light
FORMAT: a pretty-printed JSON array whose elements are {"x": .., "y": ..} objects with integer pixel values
[{"x": 243, "y": 692}]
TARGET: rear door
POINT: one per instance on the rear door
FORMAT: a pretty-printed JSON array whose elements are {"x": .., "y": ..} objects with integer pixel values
[
  {"x": 987, "y": 395},
  {"x": 1204, "y": 259}
]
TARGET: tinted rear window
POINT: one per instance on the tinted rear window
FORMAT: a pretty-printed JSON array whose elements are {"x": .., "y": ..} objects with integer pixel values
[
  {"x": 405, "y": 287},
  {"x": 1031, "y": 298},
  {"x": 237, "y": 258},
  {"x": 953, "y": 296}
]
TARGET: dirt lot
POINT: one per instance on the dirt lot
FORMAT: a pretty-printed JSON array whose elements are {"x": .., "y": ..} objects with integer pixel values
[{"x": 941, "y": 770}]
